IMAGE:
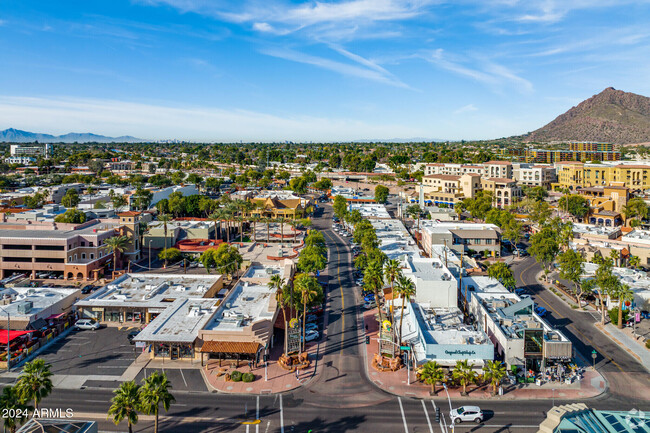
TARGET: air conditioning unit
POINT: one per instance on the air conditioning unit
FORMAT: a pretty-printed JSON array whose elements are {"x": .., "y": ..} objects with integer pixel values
[{"x": 25, "y": 307}]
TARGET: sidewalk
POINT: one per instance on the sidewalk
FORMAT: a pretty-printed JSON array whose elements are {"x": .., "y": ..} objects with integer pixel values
[
  {"x": 591, "y": 385},
  {"x": 279, "y": 380},
  {"x": 625, "y": 339}
]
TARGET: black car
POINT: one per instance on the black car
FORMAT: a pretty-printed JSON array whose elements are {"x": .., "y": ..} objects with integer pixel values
[
  {"x": 86, "y": 290},
  {"x": 131, "y": 335}
]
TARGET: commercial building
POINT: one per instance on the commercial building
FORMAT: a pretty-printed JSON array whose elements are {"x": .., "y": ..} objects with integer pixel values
[
  {"x": 548, "y": 156},
  {"x": 394, "y": 240},
  {"x": 31, "y": 308},
  {"x": 461, "y": 237},
  {"x": 278, "y": 206},
  {"x": 28, "y": 153},
  {"x": 177, "y": 230},
  {"x": 573, "y": 175},
  {"x": 74, "y": 251},
  {"x": 578, "y": 418},
  {"x": 519, "y": 335},
  {"x": 370, "y": 211},
  {"x": 534, "y": 174},
  {"x": 504, "y": 191},
  {"x": 448, "y": 189},
  {"x": 501, "y": 169}
]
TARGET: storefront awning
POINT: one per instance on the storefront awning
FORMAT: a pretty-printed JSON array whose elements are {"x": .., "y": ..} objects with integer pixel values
[
  {"x": 12, "y": 335},
  {"x": 55, "y": 316},
  {"x": 230, "y": 347}
]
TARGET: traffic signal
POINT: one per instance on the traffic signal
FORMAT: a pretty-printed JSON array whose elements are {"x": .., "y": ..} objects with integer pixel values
[
  {"x": 367, "y": 339},
  {"x": 437, "y": 414}
]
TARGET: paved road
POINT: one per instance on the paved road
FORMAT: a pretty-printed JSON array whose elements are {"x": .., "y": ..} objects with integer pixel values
[
  {"x": 341, "y": 398},
  {"x": 626, "y": 377}
]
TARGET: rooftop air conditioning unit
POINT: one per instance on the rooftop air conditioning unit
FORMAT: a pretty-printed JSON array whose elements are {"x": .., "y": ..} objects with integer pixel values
[{"x": 25, "y": 307}]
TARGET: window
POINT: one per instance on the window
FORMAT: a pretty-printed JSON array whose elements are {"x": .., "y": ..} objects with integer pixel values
[
  {"x": 83, "y": 244},
  {"x": 92, "y": 256},
  {"x": 91, "y": 244},
  {"x": 16, "y": 247},
  {"x": 83, "y": 255},
  {"x": 75, "y": 257},
  {"x": 49, "y": 247}
]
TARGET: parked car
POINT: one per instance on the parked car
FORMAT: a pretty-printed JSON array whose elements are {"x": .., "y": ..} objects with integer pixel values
[
  {"x": 86, "y": 290},
  {"x": 541, "y": 311},
  {"x": 311, "y": 336},
  {"x": 524, "y": 296},
  {"x": 312, "y": 318},
  {"x": 316, "y": 310},
  {"x": 131, "y": 335},
  {"x": 369, "y": 305},
  {"x": 87, "y": 324},
  {"x": 520, "y": 291},
  {"x": 311, "y": 327},
  {"x": 466, "y": 413},
  {"x": 369, "y": 297}
]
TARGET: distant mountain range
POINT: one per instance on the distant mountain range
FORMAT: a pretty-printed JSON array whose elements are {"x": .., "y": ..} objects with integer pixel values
[
  {"x": 612, "y": 116},
  {"x": 12, "y": 135}
]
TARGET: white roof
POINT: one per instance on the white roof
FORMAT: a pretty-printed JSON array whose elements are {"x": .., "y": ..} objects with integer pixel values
[{"x": 180, "y": 322}]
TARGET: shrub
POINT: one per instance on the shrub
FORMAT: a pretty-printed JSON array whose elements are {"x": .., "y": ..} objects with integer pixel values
[
  {"x": 248, "y": 377},
  {"x": 514, "y": 369},
  {"x": 647, "y": 344},
  {"x": 613, "y": 315},
  {"x": 236, "y": 376}
]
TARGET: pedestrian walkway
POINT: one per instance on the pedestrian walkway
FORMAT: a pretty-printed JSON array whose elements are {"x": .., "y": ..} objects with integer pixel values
[
  {"x": 404, "y": 384},
  {"x": 272, "y": 379},
  {"x": 625, "y": 339}
]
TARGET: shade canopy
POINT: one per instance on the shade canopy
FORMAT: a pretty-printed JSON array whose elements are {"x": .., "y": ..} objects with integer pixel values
[{"x": 12, "y": 335}]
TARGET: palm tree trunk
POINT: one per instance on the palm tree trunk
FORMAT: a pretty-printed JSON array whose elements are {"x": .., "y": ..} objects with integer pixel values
[
  {"x": 602, "y": 308},
  {"x": 228, "y": 231},
  {"x": 464, "y": 388},
  {"x": 304, "y": 323},
  {"x": 130, "y": 427},
  {"x": 155, "y": 425},
  {"x": 381, "y": 317},
  {"x": 620, "y": 314},
  {"x": 400, "y": 321},
  {"x": 286, "y": 331},
  {"x": 433, "y": 385}
]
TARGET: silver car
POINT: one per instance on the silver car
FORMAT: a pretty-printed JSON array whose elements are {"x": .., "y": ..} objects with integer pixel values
[
  {"x": 466, "y": 413},
  {"x": 87, "y": 324}
]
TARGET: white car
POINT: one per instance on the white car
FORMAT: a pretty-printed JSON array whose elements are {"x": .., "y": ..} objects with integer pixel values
[
  {"x": 369, "y": 305},
  {"x": 466, "y": 413},
  {"x": 311, "y": 335},
  {"x": 87, "y": 324}
]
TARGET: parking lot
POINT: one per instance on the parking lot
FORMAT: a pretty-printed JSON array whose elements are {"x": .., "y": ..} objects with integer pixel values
[
  {"x": 104, "y": 352},
  {"x": 181, "y": 379}
]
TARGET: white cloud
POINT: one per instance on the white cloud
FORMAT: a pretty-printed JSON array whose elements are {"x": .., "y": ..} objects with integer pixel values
[
  {"x": 491, "y": 73},
  {"x": 466, "y": 109},
  {"x": 368, "y": 70},
  {"x": 111, "y": 117}
]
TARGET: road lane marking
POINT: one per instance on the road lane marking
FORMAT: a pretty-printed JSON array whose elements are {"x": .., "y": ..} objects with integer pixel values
[
  {"x": 424, "y": 408},
  {"x": 401, "y": 408},
  {"x": 257, "y": 415},
  {"x": 281, "y": 416},
  {"x": 183, "y": 376}
]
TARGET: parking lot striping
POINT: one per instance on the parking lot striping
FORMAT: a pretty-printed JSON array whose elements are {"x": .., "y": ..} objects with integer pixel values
[
  {"x": 183, "y": 376},
  {"x": 281, "y": 416},
  {"x": 257, "y": 415},
  {"x": 401, "y": 408},
  {"x": 424, "y": 408}
]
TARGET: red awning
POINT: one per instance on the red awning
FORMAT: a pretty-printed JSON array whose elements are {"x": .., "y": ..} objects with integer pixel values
[
  {"x": 55, "y": 316},
  {"x": 12, "y": 335}
]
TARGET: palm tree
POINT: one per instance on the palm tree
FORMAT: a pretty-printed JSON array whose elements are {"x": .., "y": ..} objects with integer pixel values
[
  {"x": 116, "y": 244},
  {"x": 35, "y": 383},
  {"x": 614, "y": 255},
  {"x": 634, "y": 261},
  {"x": 308, "y": 288},
  {"x": 277, "y": 284},
  {"x": 165, "y": 219},
  {"x": 374, "y": 278},
  {"x": 223, "y": 215},
  {"x": 215, "y": 218},
  {"x": 624, "y": 294},
  {"x": 464, "y": 373},
  {"x": 10, "y": 401},
  {"x": 125, "y": 404},
  {"x": 495, "y": 371},
  {"x": 405, "y": 289},
  {"x": 154, "y": 392},
  {"x": 432, "y": 374},
  {"x": 392, "y": 270},
  {"x": 281, "y": 220}
]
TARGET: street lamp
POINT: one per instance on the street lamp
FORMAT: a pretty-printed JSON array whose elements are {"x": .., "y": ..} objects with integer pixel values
[
  {"x": 451, "y": 421},
  {"x": 8, "y": 334}
]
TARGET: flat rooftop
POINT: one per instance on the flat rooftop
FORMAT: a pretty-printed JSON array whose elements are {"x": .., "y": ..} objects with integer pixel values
[
  {"x": 27, "y": 231},
  {"x": 429, "y": 269},
  {"x": 394, "y": 240},
  {"x": 246, "y": 304},
  {"x": 596, "y": 230},
  {"x": 150, "y": 290},
  {"x": 41, "y": 298},
  {"x": 370, "y": 210},
  {"x": 180, "y": 322},
  {"x": 447, "y": 227}
]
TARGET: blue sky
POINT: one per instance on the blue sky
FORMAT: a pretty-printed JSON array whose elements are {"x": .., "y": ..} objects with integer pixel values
[{"x": 308, "y": 71}]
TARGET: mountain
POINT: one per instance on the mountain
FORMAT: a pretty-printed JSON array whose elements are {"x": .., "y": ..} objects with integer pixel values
[
  {"x": 12, "y": 135},
  {"x": 612, "y": 116}
]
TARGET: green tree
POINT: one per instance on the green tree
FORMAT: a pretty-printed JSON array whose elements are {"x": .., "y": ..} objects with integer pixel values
[
  {"x": 125, "y": 404},
  {"x": 634, "y": 262},
  {"x": 311, "y": 260},
  {"x": 117, "y": 244},
  {"x": 35, "y": 382},
  {"x": 153, "y": 393},
  {"x": 310, "y": 291},
  {"x": 536, "y": 193},
  {"x": 71, "y": 198},
  {"x": 432, "y": 374},
  {"x": 636, "y": 208},
  {"x": 571, "y": 268},
  {"x": 392, "y": 270},
  {"x": 607, "y": 283},
  {"x": 501, "y": 271},
  {"x": 11, "y": 401},
  {"x": 624, "y": 295},
  {"x": 544, "y": 247},
  {"x": 72, "y": 215},
  {"x": 405, "y": 290},
  {"x": 170, "y": 255},
  {"x": 164, "y": 219},
  {"x": 373, "y": 278},
  {"x": 495, "y": 372},
  {"x": 576, "y": 205},
  {"x": 381, "y": 193},
  {"x": 464, "y": 374},
  {"x": 340, "y": 206}
]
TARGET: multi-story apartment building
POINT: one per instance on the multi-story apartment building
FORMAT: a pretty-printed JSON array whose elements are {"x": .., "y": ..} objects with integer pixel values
[
  {"x": 504, "y": 191},
  {"x": 449, "y": 189},
  {"x": 583, "y": 146},
  {"x": 489, "y": 169},
  {"x": 461, "y": 237},
  {"x": 576, "y": 174},
  {"x": 500, "y": 169},
  {"x": 534, "y": 174},
  {"x": 551, "y": 156}
]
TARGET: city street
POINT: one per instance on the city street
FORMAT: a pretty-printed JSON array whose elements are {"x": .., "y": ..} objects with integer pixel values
[{"x": 341, "y": 397}]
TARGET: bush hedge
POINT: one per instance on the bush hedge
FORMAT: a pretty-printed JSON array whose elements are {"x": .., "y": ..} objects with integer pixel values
[
  {"x": 248, "y": 377},
  {"x": 236, "y": 376}
]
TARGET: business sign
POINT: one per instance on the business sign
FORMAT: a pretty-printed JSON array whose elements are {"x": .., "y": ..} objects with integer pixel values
[
  {"x": 293, "y": 339},
  {"x": 460, "y": 352},
  {"x": 141, "y": 344}
]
